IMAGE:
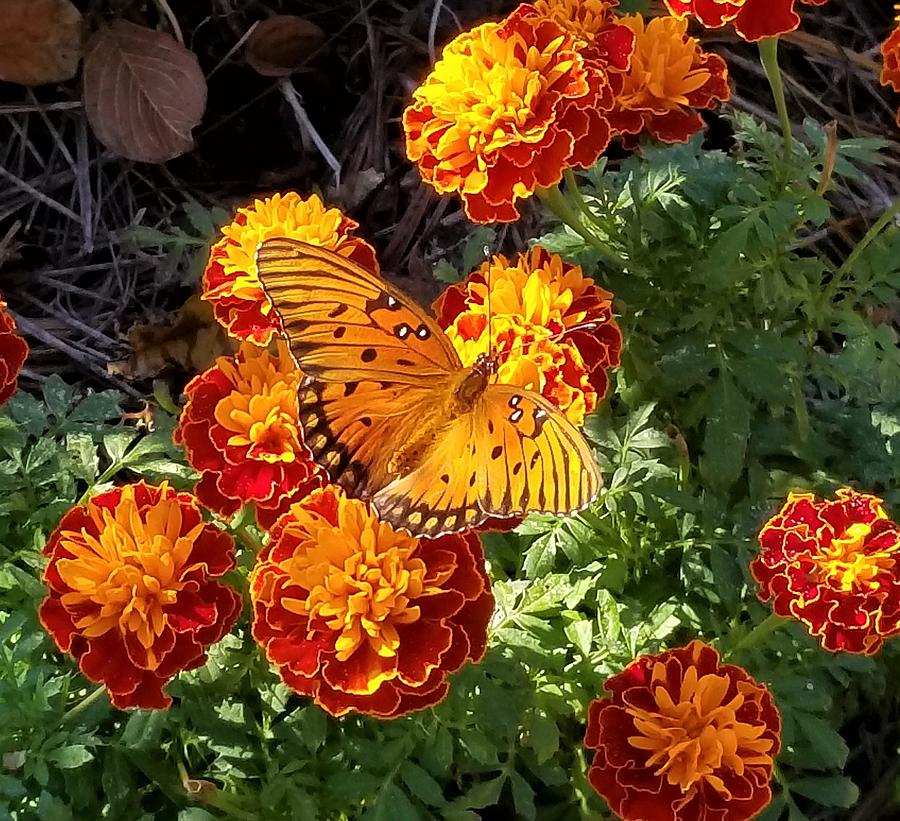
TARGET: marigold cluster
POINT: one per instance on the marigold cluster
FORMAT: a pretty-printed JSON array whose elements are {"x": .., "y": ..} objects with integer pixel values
[
  {"x": 362, "y": 617},
  {"x": 890, "y": 69},
  {"x": 230, "y": 282},
  {"x": 669, "y": 78},
  {"x": 13, "y": 353},
  {"x": 835, "y": 566},
  {"x": 551, "y": 327},
  {"x": 683, "y": 736},
  {"x": 752, "y": 19},
  {"x": 507, "y": 108},
  {"x": 133, "y": 594},
  {"x": 240, "y": 429}
]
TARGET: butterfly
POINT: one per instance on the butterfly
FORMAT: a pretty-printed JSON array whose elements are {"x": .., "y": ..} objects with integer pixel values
[{"x": 395, "y": 418}]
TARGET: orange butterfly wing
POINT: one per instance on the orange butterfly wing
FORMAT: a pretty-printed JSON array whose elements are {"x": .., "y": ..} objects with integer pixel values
[
  {"x": 344, "y": 323},
  {"x": 379, "y": 412},
  {"x": 514, "y": 454}
]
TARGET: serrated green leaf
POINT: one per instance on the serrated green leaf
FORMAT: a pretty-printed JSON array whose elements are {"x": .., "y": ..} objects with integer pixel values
[
  {"x": 421, "y": 785},
  {"x": 67, "y": 758},
  {"x": 57, "y": 395},
  {"x": 726, "y": 434},
  {"x": 523, "y": 796}
]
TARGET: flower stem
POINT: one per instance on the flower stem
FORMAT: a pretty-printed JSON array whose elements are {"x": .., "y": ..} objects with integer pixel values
[
  {"x": 759, "y": 633},
  {"x": 870, "y": 236},
  {"x": 562, "y": 209},
  {"x": 86, "y": 702},
  {"x": 768, "y": 55},
  {"x": 248, "y": 537}
]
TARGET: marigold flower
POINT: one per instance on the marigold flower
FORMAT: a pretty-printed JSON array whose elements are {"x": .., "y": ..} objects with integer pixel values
[
  {"x": 133, "y": 595},
  {"x": 670, "y": 77},
  {"x": 241, "y": 430},
  {"x": 835, "y": 566},
  {"x": 752, "y": 19},
  {"x": 595, "y": 24},
  {"x": 683, "y": 737},
  {"x": 890, "y": 69},
  {"x": 363, "y": 617},
  {"x": 13, "y": 353},
  {"x": 230, "y": 281},
  {"x": 551, "y": 326},
  {"x": 507, "y": 108}
]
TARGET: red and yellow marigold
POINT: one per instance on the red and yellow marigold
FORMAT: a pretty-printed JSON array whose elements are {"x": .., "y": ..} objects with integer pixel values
[
  {"x": 752, "y": 19},
  {"x": 240, "y": 429},
  {"x": 683, "y": 736},
  {"x": 507, "y": 108},
  {"x": 669, "y": 78},
  {"x": 362, "y": 617},
  {"x": 551, "y": 326},
  {"x": 230, "y": 282},
  {"x": 597, "y": 28},
  {"x": 13, "y": 353},
  {"x": 133, "y": 594},
  {"x": 835, "y": 566},
  {"x": 890, "y": 55}
]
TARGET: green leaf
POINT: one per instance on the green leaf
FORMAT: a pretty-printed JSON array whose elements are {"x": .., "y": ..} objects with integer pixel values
[
  {"x": 822, "y": 740},
  {"x": 116, "y": 443},
  {"x": 57, "y": 395},
  {"x": 393, "y": 804},
  {"x": 726, "y": 434},
  {"x": 421, "y": 785},
  {"x": 97, "y": 407},
  {"x": 523, "y": 796},
  {"x": 827, "y": 790},
  {"x": 28, "y": 412},
  {"x": 483, "y": 794},
  {"x": 543, "y": 736},
  {"x": 83, "y": 455},
  {"x": 67, "y": 758}
]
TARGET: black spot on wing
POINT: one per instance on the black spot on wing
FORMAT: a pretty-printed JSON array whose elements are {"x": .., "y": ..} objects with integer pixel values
[{"x": 368, "y": 355}]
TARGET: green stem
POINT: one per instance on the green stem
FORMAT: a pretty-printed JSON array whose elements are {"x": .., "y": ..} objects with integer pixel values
[
  {"x": 768, "y": 55},
  {"x": 248, "y": 538},
  {"x": 577, "y": 196},
  {"x": 759, "y": 633},
  {"x": 870, "y": 236},
  {"x": 554, "y": 199},
  {"x": 82, "y": 705}
]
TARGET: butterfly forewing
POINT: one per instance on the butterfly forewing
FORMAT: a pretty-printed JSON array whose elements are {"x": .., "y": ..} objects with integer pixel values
[{"x": 345, "y": 323}]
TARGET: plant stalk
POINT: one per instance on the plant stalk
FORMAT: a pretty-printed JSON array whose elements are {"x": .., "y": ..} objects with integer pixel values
[
  {"x": 870, "y": 236},
  {"x": 768, "y": 55},
  {"x": 560, "y": 206},
  {"x": 82, "y": 705},
  {"x": 759, "y": 633}
]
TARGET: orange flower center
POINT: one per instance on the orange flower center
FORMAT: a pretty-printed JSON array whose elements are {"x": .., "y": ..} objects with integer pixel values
[
  {"x": 662, "y": 73},
  {"x": 690, "y": 740},
  {"x": 126, "y": 576},
  {"x": 846, "y": 564},
  {"x": 261, "y": 413},
  {"x": 362, "y": 578}
]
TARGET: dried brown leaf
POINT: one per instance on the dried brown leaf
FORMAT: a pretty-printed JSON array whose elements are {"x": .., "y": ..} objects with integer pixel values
[
  {"x": 282, "y": 44},
  {"x": 143, "y": 92},
  {"x": 40, "y": 41},
  {"x": 192, "y": 342}
]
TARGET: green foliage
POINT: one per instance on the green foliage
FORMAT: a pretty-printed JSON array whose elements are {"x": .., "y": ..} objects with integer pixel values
[{"x": 751, "y": 367}]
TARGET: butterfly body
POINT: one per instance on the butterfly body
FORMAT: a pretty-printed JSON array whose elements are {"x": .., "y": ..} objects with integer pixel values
[{"x": 391, "y": 413}]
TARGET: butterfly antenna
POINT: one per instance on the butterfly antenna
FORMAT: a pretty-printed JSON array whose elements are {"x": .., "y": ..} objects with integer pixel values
[
  {"x": 520, "y": 342},
  {"x": 490, "y": 315}
]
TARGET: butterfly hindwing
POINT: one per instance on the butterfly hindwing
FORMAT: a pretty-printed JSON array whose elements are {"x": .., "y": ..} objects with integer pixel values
[
  {"x": 344, "y": 323},
  {"x": 514, "y": 454}
]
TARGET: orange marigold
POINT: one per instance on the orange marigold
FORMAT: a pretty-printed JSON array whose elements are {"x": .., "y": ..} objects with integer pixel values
[
  {"x": 670, "y": 77},
  {"x": 230, "y": 281},
  {"x": 835, "y": 566},
  {"x": 752, "y": 19},
  {"x": 507, "y": 108},
  {"x": 13, "y": 353},
  {"x": 597, "y": 27},
  {"x": 890, "y": 69},
  {"x": 132, "y": 590},
  {"x": 683, "y": 737},
  {"x": 551, "y": 326},
  {"x": 241, "y": 430},
  {"x": 364, "y": 617}
]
